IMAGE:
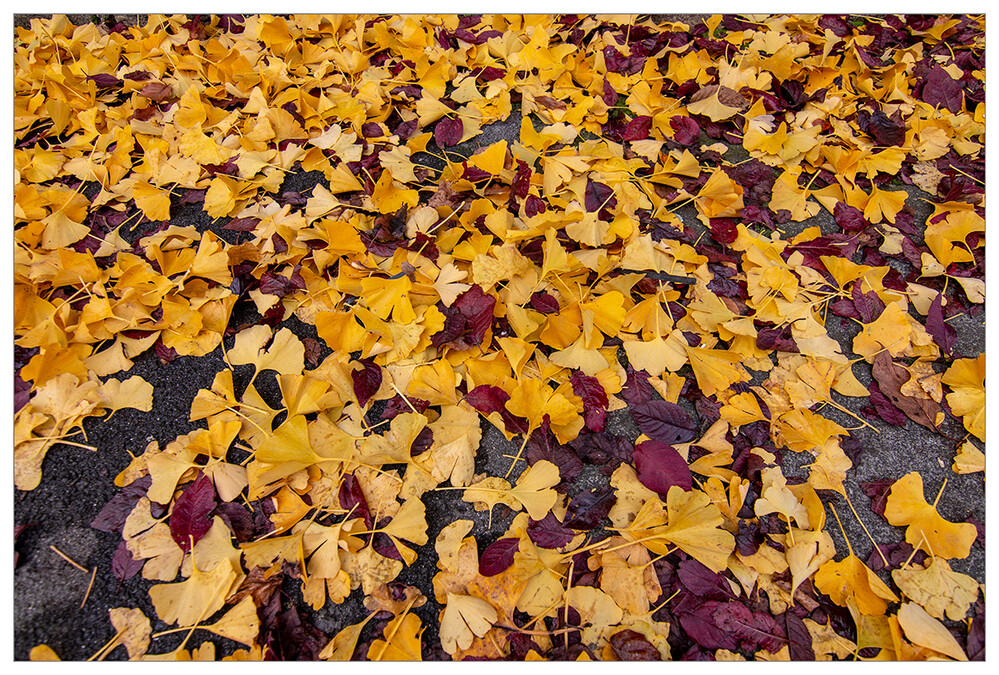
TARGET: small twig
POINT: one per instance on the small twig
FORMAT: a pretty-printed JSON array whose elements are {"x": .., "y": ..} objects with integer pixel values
[
  {"x": 93, "y": 575},
  {"x": 69, "y": 560}
]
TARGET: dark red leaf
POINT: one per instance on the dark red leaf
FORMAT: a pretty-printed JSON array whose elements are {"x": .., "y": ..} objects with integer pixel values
[
  {"x": 868, "y": 304},
  {"x": 637, "y": 129},
  {"x": 685, "y": 130},
  {"x": 630, "y": 645},
  {"x": 123, "y": 565},
  {"x": 549, "y": 532},
  {"x": 498, "y": 556},
  {"x": 105, "y": 81},
  {"x": 849, "y": 218},
  {"x": 521, "y": 179},
  {"x": 534, "y": 205},
  {"x": 189, "y": 521},
  {"x": 352, "y": 498},
  {"x": 467, "y": 320},
  {"x": 723, "y": 230},
  {"x": 943, "y": 90},
  {"x": 594, "y": 400},
  {"x": 589, "y": 508},
  {"x": 487, "y": 398},
  {"x": 367, "y": 380},
  {"x": 883, "y": 407},
  {"x": 799, "y": 640},
  {"x": 241, "y": 224},
  {"x": 544, "y": 302},
  {"x": 732, "y": 625},
  {"x": 944, "y": 334},
  {"x": 664, "y": 421},
  {"x": 597, "y": 196},
  {"x": 976, "y": 639},
  {"x": 542, "y": 445},
  {"x": 702, "y": 582},
  {"x": 890, "y": 377},
  {"x": 878, "y": 491},
  {"x": 660, "y": 467},
  {"x": 448, "y": 131}
]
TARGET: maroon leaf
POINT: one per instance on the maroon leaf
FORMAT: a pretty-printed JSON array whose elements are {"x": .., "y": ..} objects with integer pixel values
[
  {"x": 637, "y": 129},
  {"x": 189, "y": 521},
  {"x": 884, "y": 408},
  {"x": 594, "y": 400},
  {"x": 685, "y": 130},
  {"x": 702, "y": 582},
  {"x": 542, "y": 445},
  {"x": 942, "y": 332},
  {"x": 723, "y": 230},
  {"x": 549, "y": 532},
  {"x": 123, "y": 565},
  {"x": 660, "y": 467},
  {"x": 498, "y": 556},
  {"x": 799, "y": 640},
  {"x": 732, "y": 625},
  {"x": 597, "y": 196},
  {"x": 943, "y": 90},
  {"x": 630, "y": 645},
  {"x": 487, "y": 398},
  {"x": 448, "y": 131},
  {"x": 849, "y": 218},
  {"x": 352, "y": 498},
  {"x": 366, "y": 381},
  {"x": 105, "y": 81},
  {"x": 467, "y": 320},
  {"x": 544, "y": 302},
  {"x": 664, "y": 421},
  {"x": 589, "y": 508},
  {"x": 868, "y": 304},
  {"x": 156, "y": 91},
  {"x": 534, "y": 205},
  {"x": 878, "y": 491}
]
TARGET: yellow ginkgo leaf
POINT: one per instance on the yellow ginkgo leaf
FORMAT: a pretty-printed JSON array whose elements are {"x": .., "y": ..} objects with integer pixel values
[
  {"x": 922, "y": 629},
  {"x": 464, "y": 617},
  {"x": 401, "y": 640},
  {"x": 188, "y": 602},
  {"x": 850, "y": 580},
  {"x": 925, "y": 528},
  {"x": 938, "y": 589}
]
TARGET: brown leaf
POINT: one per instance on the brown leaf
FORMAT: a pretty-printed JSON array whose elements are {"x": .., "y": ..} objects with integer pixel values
[{"x": 890, "y": 379}]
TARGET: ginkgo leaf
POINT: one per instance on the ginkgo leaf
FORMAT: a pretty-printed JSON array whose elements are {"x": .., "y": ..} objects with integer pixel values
[
  {"x": 850, "y": 580},
  {"x": 188, "y": 602},
  {"x": 923, "y": 630},
  {"x": 343, "y": 644},
  {"x": 134, "y": 630},
  {"x": 240, "y": 623},
  {"x": 464, "y": 617},
  {"x": 925, "y": 528},
  {"x": 942, "y": 592},
  {"x": 401, "y": 640}
]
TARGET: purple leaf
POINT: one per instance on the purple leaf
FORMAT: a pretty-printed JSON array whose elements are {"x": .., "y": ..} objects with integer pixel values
[
  {"x": 112, "y": 517},
  {"x": 542, "y": 445},
  {"x": 105, "y": 80},
  {"x": 467, "y": 320},
  {"x": 123, "y": 565},
  {"x": 589, "y": 508},
  {"x": 664, "y": 421},
  {"x": 594, "y": 400},
  {"x": 799, "y": 639},
  {"x": 534, "y": 205},
  {"x": 366, "y": 381},
  {"x": 549, "y": 532},
  {"x": 849, "y": 218},
  {"x": 448, "y": 131},
  {"x": 660, "y": 467},
  {"x": 883, "y": 406},
  {"x": 868, "y": 304},
  {"x": 597, "y": 196},
  {"x": 943, "y": 90},
  {"x": 702, "y": 582},
  {"x": 189, "y": 521},
  {"x": 942, "y": 332},
  {"x": 498, "y": 556}
]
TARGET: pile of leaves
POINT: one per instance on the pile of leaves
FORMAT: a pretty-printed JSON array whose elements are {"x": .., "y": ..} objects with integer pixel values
[{"x": 544, "y": 286}]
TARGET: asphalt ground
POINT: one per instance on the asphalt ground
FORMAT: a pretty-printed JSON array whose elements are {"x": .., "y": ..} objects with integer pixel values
[{"x": 48, "y": 591}]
